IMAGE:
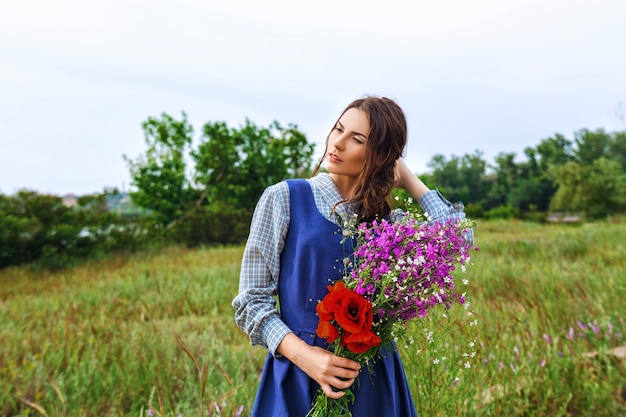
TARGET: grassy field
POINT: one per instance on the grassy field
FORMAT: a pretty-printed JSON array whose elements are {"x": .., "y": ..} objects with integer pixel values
[{"x": 155, "y": 335}]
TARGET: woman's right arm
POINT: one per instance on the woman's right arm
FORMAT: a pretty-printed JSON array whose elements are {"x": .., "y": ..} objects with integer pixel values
[
  {"x": 255, "y": 305},
  {"x": 326, "y": 369}
]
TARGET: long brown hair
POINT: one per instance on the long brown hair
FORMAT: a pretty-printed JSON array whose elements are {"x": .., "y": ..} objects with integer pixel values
[{"x": 385, "y": 143}]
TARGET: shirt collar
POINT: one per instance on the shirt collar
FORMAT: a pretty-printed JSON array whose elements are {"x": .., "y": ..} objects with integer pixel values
[{"x": 331, "y": 196}]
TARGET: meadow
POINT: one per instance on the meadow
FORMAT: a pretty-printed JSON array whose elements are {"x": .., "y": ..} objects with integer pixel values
[{"x": 154, "y": 334}]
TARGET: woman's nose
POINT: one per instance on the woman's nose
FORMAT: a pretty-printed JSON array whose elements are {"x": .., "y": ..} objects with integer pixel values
[{"x": 340, "y": 141}]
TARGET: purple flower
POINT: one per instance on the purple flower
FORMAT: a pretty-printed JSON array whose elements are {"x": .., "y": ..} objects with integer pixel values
[{"x": 547, "y": 338}]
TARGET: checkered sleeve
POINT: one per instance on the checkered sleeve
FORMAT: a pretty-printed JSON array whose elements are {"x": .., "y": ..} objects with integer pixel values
[
  {"x": 255, "y": 305},
  {"x": 438, "y": 209}
]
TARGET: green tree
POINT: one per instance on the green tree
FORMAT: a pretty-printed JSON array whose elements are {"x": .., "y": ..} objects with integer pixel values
[
  {"x": 39, "y": 228},
  {"x": 597, "y": 189},
  {"x": 593, "y": 180},
  {"x": 34, "y": 226},
  {"x": 236, "y": 165},
  {"x": 534, "y": 188},
  {"x": 206, "y": 193},
  {"x": 552, "y": 151},
  {"x": 160, "y": 175},
  {"x": 506, "y": 176},
  {"x": 617, "y": 148},
  {"x": 460, "y": 178},
  {"x": 591, "y": 145}
]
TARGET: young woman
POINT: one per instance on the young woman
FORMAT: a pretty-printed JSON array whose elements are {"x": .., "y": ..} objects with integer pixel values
[{"x": 294, "y": 251}]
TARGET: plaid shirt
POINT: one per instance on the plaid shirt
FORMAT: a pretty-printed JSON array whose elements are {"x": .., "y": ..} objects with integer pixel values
[{"x": 255, "y": 305}]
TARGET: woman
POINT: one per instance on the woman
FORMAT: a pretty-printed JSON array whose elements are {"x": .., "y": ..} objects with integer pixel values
[{"x": 294, "y": 250}]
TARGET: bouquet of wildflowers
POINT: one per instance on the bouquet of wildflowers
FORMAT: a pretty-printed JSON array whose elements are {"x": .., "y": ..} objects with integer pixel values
[{"x": 400, "y": 271}]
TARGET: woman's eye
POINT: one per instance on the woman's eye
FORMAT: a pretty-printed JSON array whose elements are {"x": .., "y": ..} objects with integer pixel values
[{"x": 357, "y": 140}]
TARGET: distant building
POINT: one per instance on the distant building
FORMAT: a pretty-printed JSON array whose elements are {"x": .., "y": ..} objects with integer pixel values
[{"x": 70, "y": 200}]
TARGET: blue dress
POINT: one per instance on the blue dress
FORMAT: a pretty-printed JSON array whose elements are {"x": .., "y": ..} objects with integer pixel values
[{"x": 311, "y": 260}]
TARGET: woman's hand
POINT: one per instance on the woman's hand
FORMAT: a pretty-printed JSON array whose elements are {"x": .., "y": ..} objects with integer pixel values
[
  {"x": 401, "y": 173},
  {"x": 407, "y": 180},
  {"x": 322, "y": 366}
]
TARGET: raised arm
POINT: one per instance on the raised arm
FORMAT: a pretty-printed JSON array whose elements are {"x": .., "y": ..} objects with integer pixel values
[
  {"x": 407, "y": 180},
  {"x": 434, "y": 204}
]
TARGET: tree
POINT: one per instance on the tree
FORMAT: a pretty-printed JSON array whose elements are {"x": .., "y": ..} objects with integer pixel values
[
  {"x": 553, "y": 151},
  {"x": 160, "y": 175},
  {"x": 236, "y": 165},
  {"x": 461, "y": 178},
  {"x": 617, "y": 148},
  {"x": 534, "y": 188},
  {"x": 591, "y": 145},
  {"x": 506, "y": 178},
  {"x": 229, "y": 169},
  {"x": 597, "y": 189}
]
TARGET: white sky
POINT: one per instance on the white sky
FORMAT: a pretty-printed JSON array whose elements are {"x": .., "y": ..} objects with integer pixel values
[{"x": 77, "y": 78}]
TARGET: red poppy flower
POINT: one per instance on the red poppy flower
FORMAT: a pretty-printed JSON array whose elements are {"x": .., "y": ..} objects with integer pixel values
[
  {"x": 351, "y": 313},
  {"x": 361, "y": 342},
  {"x": 326, "y": 330},
  {"x": 354, "y": 313}
]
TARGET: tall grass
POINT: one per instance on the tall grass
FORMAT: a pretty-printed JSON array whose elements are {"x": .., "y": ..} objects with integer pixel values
[{"x": 155, "y": 334}]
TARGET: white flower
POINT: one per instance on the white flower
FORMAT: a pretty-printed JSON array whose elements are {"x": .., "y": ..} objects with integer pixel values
[{"x": 467, "y": 365}]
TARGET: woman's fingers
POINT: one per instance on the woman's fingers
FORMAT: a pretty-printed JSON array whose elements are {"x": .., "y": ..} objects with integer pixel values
[
  {"x": 330, "y": 393},
  {"x": 346, "y": 363},
  {"x": 335, "y": 389},
  {"x": 328, "y": 370}
]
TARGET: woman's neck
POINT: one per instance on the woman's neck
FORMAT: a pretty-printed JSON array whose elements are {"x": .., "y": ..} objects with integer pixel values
[{"x": 345, "y": 185}]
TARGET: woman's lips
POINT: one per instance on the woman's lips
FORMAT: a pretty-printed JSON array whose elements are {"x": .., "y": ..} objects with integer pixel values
[{"x": 333, "y": 158}]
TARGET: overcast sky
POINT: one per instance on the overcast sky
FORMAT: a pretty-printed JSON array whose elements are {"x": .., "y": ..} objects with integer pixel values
[{"x": 77, "y": 78}]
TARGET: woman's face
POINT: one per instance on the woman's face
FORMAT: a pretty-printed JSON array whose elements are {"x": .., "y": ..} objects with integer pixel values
[{"x": 345, "y": 151}]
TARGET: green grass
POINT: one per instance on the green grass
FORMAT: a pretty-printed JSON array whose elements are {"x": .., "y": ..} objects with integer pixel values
[{"x": 118, "y": 338}]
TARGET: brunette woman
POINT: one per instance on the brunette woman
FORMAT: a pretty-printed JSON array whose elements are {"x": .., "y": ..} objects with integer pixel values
[{"x": 294, "y": 251}]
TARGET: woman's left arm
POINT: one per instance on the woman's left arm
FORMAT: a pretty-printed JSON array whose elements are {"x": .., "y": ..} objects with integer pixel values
[
  {"x": 435, "y": 205},
  {"x": 407, "y": 180}
]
